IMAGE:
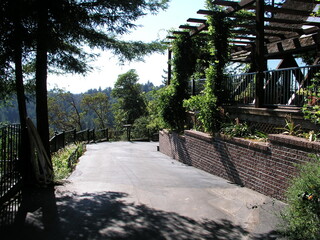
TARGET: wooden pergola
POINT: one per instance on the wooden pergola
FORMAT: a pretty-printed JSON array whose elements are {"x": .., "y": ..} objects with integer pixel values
[{"x": 272, "y": 32}]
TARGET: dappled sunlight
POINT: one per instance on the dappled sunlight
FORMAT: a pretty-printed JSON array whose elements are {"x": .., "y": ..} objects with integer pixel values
[{"x": 109, "y": 215}]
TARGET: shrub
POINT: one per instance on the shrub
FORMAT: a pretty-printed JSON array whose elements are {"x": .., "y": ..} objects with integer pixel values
[
  {"x": 302, "y": 216},
  {"x": 140, "y": 129},
  {"x": 61, "y": 160},
  {"x": 311, "y": 108}
]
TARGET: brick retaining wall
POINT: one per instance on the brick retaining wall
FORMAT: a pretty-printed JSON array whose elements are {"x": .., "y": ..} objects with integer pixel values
[{"x": 264, "y": 167}]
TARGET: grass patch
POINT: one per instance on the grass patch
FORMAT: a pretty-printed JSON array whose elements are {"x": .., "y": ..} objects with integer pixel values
[{"x": 65, "y": 159}]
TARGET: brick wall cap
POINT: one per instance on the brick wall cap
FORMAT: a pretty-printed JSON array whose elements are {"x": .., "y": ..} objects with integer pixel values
[
  {"x": 245, "y": 142},
  {"x": 199, "y": 135},
  {"x": 294, "y": 141}
]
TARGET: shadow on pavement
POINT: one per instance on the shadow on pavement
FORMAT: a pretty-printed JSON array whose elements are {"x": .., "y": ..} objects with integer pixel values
[{"x": 109, "y": 215}]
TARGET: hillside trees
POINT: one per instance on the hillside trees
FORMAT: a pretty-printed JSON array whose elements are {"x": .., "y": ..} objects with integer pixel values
[
  {"x": 64, "y": 111},
  {"x": 98, "y": 105}
]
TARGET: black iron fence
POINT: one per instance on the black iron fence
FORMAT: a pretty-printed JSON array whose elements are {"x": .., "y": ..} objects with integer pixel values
[
  {"x": 61, "y": 139},
  {"x": 288, "y": 86},
  {"x": 10, "y": 178},
  {"x": 127, "y": 133}
]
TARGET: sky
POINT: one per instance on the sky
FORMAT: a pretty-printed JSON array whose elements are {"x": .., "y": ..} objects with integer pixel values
[{"x": 107, "y": 68}]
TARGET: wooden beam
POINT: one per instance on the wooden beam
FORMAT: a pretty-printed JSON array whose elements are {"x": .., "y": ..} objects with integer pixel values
[
  {"x": 267, "y": 8},
  {"x": 188, "y": 27},
  {"x": 259, "y": 53},
  {"x": 241, "y": 42},
  {"x": 180, "y": 32},
  {"x": 305, "y": 1},
  {"x": 234, "y": 6},
  {"x": 169, "y": 66},
  {"x": 288, "y": 21},
  {"x": 272, "y": 28},
  {"x": 196, "y": 20},
  {"x": 286, "y": 11},
  {"x": 243, "y": 37},
  {"x": 245, "y": 32},
  {"x": 205, "y": 12},
  {"x": 283, "y": 20}
]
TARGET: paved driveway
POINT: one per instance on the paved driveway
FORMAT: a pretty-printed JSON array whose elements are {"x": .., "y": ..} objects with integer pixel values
[{"x": 128, "y": 190}]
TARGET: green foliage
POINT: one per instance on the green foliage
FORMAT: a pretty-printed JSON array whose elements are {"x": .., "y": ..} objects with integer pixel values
[
  {"x": 64, "y": 111},
  {"x": 219, "y": 30},
  {"x": 311, "y": 108},
  {"x": 302, "y": 216},
  {"x": 130, "y": 100},
  {"x": 207, "y": 104},
  {"x": 61, "y": 160},
  {"x": 290, "y": 127},
  {"x": 236, "y": 129},
  {"x": 155, "y": 108},
  {"x": 172, "y": 96},
  {"x": 206, "y": 111},
  {"x": 140, "y": 128},
  {"x": 311, "y": 135},
  {"x": 98, "y": 105},
  {"x": 243, "y": 130}
]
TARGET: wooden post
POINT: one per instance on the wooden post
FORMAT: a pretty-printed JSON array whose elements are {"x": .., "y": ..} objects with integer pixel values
[
  {"x": 260, "y": 59},
  {"x": 169, "y": 66},
  {"x": 74, "y": 135}
]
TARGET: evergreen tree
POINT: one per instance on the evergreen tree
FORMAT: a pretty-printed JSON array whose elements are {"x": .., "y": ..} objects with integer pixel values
[
  {"x": 57, "y": 31},
  {"x": 130, "y": 102}
]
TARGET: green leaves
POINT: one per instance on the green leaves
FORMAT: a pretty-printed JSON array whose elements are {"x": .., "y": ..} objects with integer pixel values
[
  {"x": 130, "y": 103},
  {"x": 311, "y": 108},
  {"x": 302, "y": 216},
  {"x": 97, "y": 104}
]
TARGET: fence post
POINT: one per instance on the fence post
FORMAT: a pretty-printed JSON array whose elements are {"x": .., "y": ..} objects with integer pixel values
[
  {"x": 93, "y": 135},
  {"x": 74, "y": 135},
  {"x": 88, "y": 135},
  {"x": 193, "y": 87},
  {"x": 55, "y": 141},
  {"x": 63, "y": 139}
]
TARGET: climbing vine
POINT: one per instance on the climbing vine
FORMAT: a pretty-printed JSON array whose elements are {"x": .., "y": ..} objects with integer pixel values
[
  {"x": 214, "y": 93},
  {"x": 171, "y": 99}
]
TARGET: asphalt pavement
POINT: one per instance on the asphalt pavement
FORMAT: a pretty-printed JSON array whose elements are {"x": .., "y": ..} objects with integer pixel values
[{"x": 129, "y": 190}]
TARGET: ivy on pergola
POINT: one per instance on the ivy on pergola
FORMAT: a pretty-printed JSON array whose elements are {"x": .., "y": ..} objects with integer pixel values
[{"x": 270, "y": 32}]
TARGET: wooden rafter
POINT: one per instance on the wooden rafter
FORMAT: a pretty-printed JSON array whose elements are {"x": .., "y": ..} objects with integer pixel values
[
  {"x": 196, "y": 20},
  {"x": 267, "y": 8},
  {"x": 282, "y": 32},
  {"x": 188, "y": 27}
]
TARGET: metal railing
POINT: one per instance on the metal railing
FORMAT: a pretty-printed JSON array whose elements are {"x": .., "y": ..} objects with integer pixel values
[
  {"x": 241, "y": 87},
  {"x": 287, "y": 86},
  {"x": 10, "y": 177},
  {"x": 60, "y": 140},
  {"x": 196, "y": 86}
]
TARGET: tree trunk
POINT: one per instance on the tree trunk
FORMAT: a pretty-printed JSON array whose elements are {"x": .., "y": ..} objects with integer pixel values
[
  {"x": 41, "y": 75},
  {"x": 24, "y": 153}
]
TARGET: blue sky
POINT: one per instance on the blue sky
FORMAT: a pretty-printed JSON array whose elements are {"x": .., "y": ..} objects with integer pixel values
[{"x": 107, "y": 68}]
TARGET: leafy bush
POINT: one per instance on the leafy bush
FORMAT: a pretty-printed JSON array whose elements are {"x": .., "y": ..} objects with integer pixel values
[
  {"x": 237, "y": 129},
  {"x": 302, "y": 216},
  {"x": 61, "y": 160},
  {"x": 206, "y": 111},
  {"x": 140, "y": 129},
  {"x": 311, "y": 108}
]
